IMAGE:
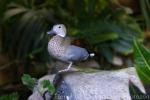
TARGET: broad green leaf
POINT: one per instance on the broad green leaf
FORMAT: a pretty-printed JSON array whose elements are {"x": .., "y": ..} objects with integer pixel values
[
  {"x": 29, "y": 81},
  {"x": 50, "y": 86},
  {"x": 142, "y": 61}
]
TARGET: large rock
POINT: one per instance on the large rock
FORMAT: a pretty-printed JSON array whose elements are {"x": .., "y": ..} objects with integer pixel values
[{"x": 99, "y": 85}]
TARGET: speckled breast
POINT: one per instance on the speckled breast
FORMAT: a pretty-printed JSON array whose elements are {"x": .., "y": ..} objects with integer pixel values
[{"x": 55, "y": 48}]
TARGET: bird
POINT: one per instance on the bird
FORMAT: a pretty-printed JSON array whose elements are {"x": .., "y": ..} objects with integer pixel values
[{"x": 66, "y": 52}]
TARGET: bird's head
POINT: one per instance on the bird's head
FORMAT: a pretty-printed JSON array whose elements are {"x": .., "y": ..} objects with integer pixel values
[{"x": 58, "y": 29}]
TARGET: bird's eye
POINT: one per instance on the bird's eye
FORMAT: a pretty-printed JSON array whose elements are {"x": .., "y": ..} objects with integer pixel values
[{"x": 59, "y": 27}]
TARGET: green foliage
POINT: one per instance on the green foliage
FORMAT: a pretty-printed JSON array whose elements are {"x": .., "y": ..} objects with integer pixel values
[
  {"x": 48, "y": 85},
  {"x": 29, "y": 81},
  {"x": 12, "y": 96},
  {"x": 142, "y": 61},
  {"x": 100, "y": 24},
  {"x": 118, "y": 36},
  {"x": 29, "y": 23},
  {"x": 32, "y": 82},
  {"x": 116, "y": 29},
  {"x": 97, "y": 21}
]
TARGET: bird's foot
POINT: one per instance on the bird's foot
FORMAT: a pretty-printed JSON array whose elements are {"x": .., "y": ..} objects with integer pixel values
[
  {"x": 64, "y": 70},
  {"x": 67, "y": 69}
]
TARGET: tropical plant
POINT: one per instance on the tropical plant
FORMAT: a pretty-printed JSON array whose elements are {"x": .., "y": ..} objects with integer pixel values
[
  {"x": 106, "y": 28},
  {"x": 28, "y": 23},
  {"x": 109, "y": 25},
  {"x": 142, "y": 63},
  {"x": 32, "y": 83},
  {"x": 29, "y": 81}
]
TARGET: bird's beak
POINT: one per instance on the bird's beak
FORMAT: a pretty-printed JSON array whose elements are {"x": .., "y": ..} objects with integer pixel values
[{"x": 51, "y": 32}]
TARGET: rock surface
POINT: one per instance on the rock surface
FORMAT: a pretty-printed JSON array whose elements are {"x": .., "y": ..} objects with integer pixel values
[{"x": 100, "y": 85}]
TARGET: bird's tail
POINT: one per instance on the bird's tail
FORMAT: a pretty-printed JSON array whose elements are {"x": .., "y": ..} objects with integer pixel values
[{"x": 92, "y": 54}]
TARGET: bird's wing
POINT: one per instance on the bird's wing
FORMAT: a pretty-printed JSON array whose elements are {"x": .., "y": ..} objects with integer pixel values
[
  {"x": 67, "y": 41},
  {"x": 74, "y": 53},
  {"x": 73, "y": 41}
]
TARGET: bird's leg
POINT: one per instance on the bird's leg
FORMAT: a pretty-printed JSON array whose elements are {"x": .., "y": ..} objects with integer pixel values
[
  {"x": 69, "y": 66},
  {"x": 64, "y": 70}
]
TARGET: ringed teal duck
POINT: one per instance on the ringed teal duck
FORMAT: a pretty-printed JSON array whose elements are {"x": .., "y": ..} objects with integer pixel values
[{"x": 62, "y": 51}]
